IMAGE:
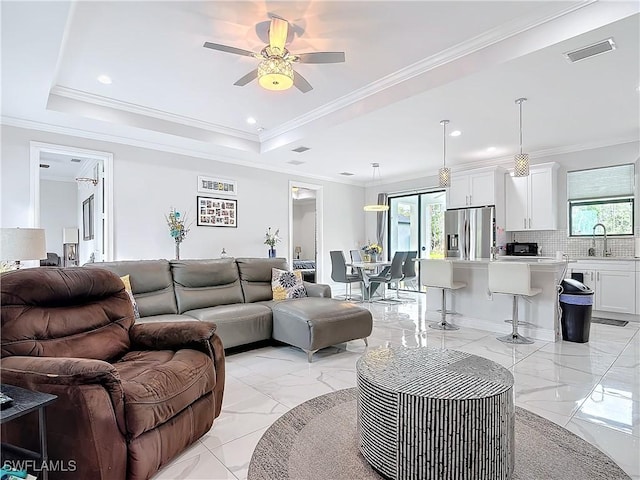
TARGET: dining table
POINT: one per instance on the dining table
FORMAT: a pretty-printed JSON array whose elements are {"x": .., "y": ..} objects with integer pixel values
[{"x": 369, "y": 269}]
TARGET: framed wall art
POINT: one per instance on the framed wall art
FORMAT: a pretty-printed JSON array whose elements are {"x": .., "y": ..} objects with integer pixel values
[
  {"x": 87, "y": 219},
  {"x": 217, "y": 185},
  {"x": 217, "y": 212}
]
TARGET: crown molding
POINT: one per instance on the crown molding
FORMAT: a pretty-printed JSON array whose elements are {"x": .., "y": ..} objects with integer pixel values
[
  {"x": 134, "y": 142},
  {"x": 420, "y": 67},
  {"x": 103, "y": 101}
]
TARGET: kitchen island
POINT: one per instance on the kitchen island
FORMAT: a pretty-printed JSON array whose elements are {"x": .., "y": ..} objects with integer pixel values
[{"x": 478, "y": 308}]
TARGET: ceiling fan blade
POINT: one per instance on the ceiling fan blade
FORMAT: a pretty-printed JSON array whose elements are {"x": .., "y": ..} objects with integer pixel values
[
  {"x": 249, "y": 77},
  {"x": 228, "y": 49},
  {"x": 301, "y": 83},
  {"x": 278, "y": 31},
  {"x": 320, "y": 57}
]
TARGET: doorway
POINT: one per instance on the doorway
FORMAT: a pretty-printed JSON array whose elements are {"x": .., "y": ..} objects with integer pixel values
[
  {"x": 72, "y": 196},
  {"x": 416, "y": 223},
  {"x": 305, "y": 229}
]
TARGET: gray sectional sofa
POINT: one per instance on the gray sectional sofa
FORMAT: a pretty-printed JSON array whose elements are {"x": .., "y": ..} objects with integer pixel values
[{"x": 236, "y": 295}]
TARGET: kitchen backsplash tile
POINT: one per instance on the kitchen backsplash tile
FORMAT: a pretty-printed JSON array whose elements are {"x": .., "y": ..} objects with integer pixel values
[{"x": 552, "y": 241}]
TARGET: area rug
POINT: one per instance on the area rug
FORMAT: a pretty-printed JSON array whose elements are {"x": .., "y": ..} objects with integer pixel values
[
  {"x": 317, "y": 440},
  {"x": 609, "y": 321}
]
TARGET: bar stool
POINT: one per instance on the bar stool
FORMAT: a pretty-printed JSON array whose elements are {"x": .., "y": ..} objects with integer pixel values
[
  {"x": 439, "y": 274},
  {"x": 513, "y": 278}
]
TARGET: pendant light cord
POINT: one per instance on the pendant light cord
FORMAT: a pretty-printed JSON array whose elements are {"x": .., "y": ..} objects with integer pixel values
[
  {"x": 520, "y": 102},
  {"x": 521, "y": 127},
  {"x": 444, "y": 142}
]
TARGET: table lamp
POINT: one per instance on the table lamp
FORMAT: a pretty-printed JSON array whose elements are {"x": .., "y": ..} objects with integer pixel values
[
  {"x": 17, "y": 244},
  {"x": 298, "y": 251},
  {"x": 70, "y": 239}
]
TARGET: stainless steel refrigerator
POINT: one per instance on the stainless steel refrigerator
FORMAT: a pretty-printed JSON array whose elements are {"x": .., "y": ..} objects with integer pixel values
[{"x": 470, "y": 232}]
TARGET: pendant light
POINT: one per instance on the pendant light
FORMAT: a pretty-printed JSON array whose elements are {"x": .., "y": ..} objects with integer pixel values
[
  {"x": 376, "y": 207},
  {"x": 521, "y": 168},
  {"x": 444, "y": 174}
]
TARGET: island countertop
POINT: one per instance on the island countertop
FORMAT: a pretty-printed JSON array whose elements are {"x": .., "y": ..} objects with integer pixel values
[{"x": 479, "y": 308}]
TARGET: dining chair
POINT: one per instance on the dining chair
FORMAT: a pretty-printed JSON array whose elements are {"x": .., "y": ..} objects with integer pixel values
[
  {"x": 339, "y": 273},
  {"x": 409, "y": 274},
  {"x": 390, "y": 274}
]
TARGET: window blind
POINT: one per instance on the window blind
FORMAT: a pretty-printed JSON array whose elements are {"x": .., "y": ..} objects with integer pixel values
[{"x": 606, "y": 182}]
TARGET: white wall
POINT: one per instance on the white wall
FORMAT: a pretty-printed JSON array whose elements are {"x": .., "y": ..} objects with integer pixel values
[
  {"x": 58, "y": 209},
  {"x": 597, "y": 157},
  {"x": 304, "y": 221},
  {"x": 147, "y": 183}
]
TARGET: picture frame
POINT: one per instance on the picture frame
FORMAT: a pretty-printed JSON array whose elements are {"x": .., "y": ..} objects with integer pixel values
[
  {"x": 217, "y": 212},
  {"x": 217, "y": 186},
  {"x": 87, "y": 218}
]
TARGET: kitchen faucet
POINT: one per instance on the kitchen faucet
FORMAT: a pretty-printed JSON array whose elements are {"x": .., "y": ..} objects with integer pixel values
[{"x": 605, "y": 250}]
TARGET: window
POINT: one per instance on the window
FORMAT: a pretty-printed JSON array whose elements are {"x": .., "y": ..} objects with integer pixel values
[{"x": 601, "y": 195}]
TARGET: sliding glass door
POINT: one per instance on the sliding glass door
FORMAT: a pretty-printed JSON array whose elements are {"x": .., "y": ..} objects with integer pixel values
[{"x": 416, "y": 222}]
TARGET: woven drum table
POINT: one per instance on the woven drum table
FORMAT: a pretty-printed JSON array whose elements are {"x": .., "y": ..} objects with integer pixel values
[{"x": 426, "y": 413}]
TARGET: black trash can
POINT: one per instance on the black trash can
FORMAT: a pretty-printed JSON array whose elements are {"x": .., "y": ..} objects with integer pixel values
[{"x": 576, "y": 301}]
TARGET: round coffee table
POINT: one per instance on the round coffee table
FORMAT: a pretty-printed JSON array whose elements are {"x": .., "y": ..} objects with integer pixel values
[{"x": 430, "y": 413}]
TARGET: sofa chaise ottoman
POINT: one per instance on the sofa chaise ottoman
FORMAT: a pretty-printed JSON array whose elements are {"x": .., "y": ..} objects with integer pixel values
[{"x": 236, "y": 295}]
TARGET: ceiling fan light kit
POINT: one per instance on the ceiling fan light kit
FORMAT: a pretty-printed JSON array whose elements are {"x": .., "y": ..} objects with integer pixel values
[
  {"x": 275, "y": 73},
  {"x": 275, "y": 70}
]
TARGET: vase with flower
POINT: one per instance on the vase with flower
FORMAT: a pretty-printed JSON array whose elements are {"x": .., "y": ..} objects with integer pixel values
[
  {"x": 371, "y": 252},
  {"x": 177, "y": 228},
  {"x": 271, "y": 239}
]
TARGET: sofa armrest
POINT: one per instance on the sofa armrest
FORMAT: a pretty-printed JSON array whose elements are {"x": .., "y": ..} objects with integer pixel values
[
  {"x": 317, "y": 290},
  {"x": 176, "y": 335},
  {"x": 48, "y": 374},
  {"x": 172, "y": 336}
]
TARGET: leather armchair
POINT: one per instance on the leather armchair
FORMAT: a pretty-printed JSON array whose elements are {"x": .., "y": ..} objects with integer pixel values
[{"x": 130, "y": 397}]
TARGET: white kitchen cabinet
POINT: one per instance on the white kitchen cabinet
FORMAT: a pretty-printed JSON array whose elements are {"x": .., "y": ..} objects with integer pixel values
[
  {"x": 531, "y": 201},
  {"x": 614, "y": 283},
  {"x": 475, "y": 188}
]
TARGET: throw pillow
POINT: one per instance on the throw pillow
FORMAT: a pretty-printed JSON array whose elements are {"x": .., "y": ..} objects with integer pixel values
[
  {"x": 127, "y": 286},
  {"x": 286, "y": 284}
]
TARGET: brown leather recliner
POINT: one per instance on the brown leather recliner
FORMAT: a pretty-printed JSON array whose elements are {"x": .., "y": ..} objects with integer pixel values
[{"x": 130, "y": 397}]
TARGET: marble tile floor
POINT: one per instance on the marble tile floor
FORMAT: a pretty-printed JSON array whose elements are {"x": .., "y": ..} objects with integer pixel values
[{"x": 592, "y": 389}]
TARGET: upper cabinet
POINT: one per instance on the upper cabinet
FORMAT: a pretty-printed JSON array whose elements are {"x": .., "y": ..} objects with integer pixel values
[
  {"x": 531, "y": 202},
  {"x": 474, "y": 188}
]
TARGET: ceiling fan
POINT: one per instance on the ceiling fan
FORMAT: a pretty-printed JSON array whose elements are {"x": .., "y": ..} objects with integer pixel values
[{"x": 275, "y": 70}]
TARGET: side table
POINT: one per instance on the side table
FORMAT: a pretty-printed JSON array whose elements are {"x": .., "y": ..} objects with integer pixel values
[
  {"x": 24, "y": 402},
  {"x": 430, "y": 413}
]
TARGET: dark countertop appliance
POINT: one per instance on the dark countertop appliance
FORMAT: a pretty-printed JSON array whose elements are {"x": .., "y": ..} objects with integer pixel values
[{"x": 522, "y": 249}]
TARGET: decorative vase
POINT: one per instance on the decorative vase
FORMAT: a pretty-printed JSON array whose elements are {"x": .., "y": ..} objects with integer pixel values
[
  {"x": 272, "y": 253},
  {"x": 366, "y": 257},
  {"x": 177, "y": 249}
]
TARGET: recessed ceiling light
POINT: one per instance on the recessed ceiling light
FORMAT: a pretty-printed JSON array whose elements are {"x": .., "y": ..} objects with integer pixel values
[
  {"x": 491, "y": 149},
  {"x": 260, "y": 129},
  {"x": 105, "y": 79},
  {"x": 456, "y": 133},
  {"x": 251, "y": 121}
]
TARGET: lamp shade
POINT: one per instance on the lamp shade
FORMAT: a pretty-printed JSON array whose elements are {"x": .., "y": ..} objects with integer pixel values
[
  {"x": 18, "y": 244},
  {"x": 70, "y": 235}
]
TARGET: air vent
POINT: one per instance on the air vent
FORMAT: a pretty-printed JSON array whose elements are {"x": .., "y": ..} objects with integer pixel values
[
  {"x": 295, "y": 162},
  {"x": 346, "y": 174},
  {"x": 592, "y": 50},
  {"x": 76, "y": 160},
  {"x": 300, "y": 149},
  {"x": 44, "y": 165}
]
